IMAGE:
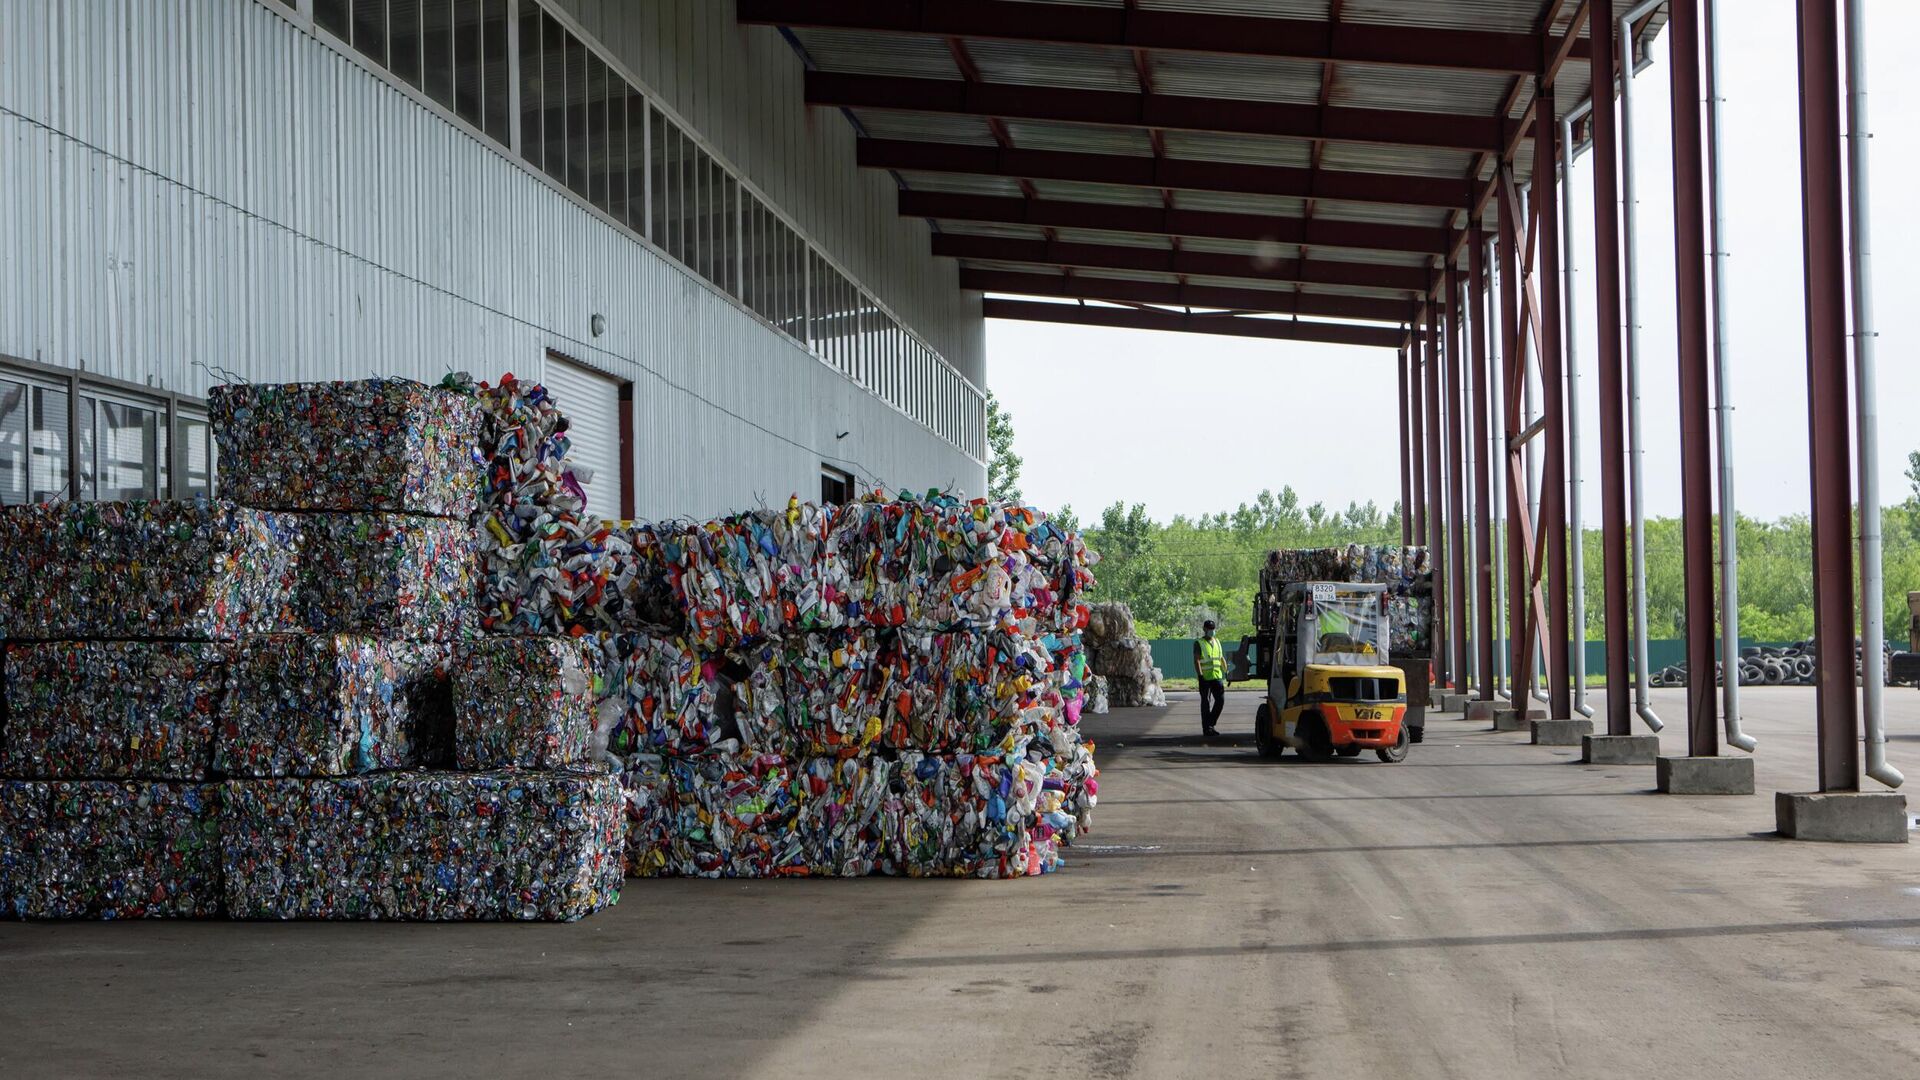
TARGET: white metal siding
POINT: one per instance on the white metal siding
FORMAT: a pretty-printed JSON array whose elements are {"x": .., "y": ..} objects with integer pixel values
[{"x": 191, "y": 186}]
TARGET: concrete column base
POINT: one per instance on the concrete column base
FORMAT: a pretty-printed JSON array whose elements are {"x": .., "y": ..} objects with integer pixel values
[
  {"x": 1516, "y": 719},
  {"x": 1704, "y": 775},
  {"x": 1620, "y": 749},
  {"x": 1453, "y": 702},
  {"x": 1561, "y": 732},
  {"x": 1481, "y": 712},
  {"x": 1847, "y": 817}
]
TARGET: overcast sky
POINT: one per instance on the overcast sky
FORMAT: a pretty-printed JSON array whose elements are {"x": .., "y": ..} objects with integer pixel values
[{"x": 1191, "y": 424}]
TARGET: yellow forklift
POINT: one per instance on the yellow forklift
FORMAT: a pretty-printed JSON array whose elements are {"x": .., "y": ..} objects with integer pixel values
[{"x": 1322, "y": 648}]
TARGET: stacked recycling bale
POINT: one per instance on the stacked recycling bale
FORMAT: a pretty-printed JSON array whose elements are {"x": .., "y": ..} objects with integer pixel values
[
  {"x": 243, "y": 707},
  {"x": 1404, "y": 570},
  {"x": 381, "y": 761},
  {"x": 121, "y": 620},
  {"x": 1119, "y": 657}
]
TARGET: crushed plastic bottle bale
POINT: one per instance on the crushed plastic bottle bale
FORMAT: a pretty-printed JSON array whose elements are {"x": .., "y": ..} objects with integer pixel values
[
  {"x": 388, "y": 575},
  {"x": 524, "y": 703},
  {"x": 127, "y": 850},
  {"x": 371, "y": 444},
  {"x": 1122, "y": 659},
  {"x": 647, "y": 786},
  {"x": 673, "y": 699},
  {"x": 736, "y": 816},
  {"x": 24, "y": 805},
  {"x": 423, "y": 846},
  {"x": 186, "y": 570},
  {"x": 1406, "y": 571},
  {"x": 334, "y": 705},
  {"x": 841, "y": 824},
  {"x": 111, "y": 709},
  {"x": 966, "y": 815}
]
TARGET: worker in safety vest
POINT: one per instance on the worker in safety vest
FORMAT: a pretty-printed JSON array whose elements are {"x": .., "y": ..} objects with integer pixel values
[{"x": 1210, "y": 667}]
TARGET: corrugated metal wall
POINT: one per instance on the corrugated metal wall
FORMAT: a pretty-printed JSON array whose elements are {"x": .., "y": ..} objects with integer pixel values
[{"x": 188, "y": 184}]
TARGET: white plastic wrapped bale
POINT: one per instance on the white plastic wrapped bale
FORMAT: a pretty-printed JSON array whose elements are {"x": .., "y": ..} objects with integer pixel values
[{"x": 1126, "y": 662}]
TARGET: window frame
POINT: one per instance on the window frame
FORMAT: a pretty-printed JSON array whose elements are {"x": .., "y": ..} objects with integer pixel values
[{"x": 172, "y": 407}]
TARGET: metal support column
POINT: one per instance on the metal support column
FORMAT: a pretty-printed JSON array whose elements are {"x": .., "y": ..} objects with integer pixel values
[
  {"x": 1696, "y": 377},
  {"x": 1823, "y": 236},
  {"x": 1417, "y": 422},
  {"x": 1406, "y": 448},
  {"x": 1457, "y": 580},
  {"x": 1612, "y": 369},
  {"x": 1553, "y": 475},
  {"x": 1436, "y": 500},
  {"x": 1483, "y": 573}
]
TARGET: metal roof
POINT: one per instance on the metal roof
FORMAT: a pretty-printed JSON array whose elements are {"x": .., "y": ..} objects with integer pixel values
[{"x": 1334, "y": 153}]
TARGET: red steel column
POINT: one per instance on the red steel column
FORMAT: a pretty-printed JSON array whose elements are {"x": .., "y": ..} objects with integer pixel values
[
  {"x": 1553, "y": 375},
  {"x": 1436, "y": 499},
  {"x": 1458, "y": 583},
  {"x": 1406, "y": 450},
  {"x": 1696, "y": 375},
  {"x": 1417, "y": 436},
  {"x": 1823, "y": 234},
  {"x": 1513, "y": 365},
  {"x": 1482, "y": 471},
  {"x": 1608, "y": 320}
]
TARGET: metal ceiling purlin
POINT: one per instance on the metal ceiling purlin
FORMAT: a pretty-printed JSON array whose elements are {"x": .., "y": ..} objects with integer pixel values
[
  {"x": 1216, "y": 264},
  {"x": 1181, "y": 294}
]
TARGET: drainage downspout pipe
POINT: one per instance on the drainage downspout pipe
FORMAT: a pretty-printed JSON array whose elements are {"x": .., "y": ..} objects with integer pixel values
[
  {"x": 1866, "y": 406},
  {"x": 1723, "y": 403},
  {"x": 1629, "y": 236},
  {"x": 1496, "y": 460},
  {"x": 1575, "y": 521}
]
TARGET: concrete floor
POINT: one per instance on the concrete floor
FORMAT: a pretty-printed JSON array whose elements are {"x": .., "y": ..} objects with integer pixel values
[{"x": 1489, "y": 909}]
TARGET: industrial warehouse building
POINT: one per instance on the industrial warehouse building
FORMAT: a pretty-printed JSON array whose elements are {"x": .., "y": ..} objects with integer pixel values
[{"x": 628, "y": 201}]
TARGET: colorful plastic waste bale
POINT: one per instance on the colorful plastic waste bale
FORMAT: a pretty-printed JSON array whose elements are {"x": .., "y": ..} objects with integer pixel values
[
  {"x": 648, "y": 789},
  {"x": 304, "y": 848},
  {"x": 642, "y": 589},
  {"x": 23, "y": 824},
  {"x": 523, "y": 703},
  {"x": 668, "y": 695},
  {"x": 737, "y": 816},
  {"x": 389, "y": 575},
  {"x": 334, "y": 705},
  {"x": 834, "y": 683},
  {"x": 372, "y": 444},
  {"x": 98, "y": 709},
  {"x": 1070, "y": 785},
  {"x": 966, "y": 815},
  {"x": 190, "y": 570},
  {"x": 731, "y": 571},
  {"x": 841, "y": 821},
  {"x": 128, "y": 849}
]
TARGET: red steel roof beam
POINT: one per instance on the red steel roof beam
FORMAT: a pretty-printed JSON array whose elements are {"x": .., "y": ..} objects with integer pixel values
[
  {"x": 1161, "y": 222},
  {"x": 1272, "y": 301},
  {"x": 1182, "y": 174},
  {"x": 1392, "y": 127},
  {"x": 1167, "y": 31},
  {"x": 1383, "y": 337},
  {"x": 1162, "y": 260}
]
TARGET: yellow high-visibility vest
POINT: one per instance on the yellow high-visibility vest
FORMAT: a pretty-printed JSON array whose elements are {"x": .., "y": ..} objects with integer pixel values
[{"x": 1213, "y": 662}]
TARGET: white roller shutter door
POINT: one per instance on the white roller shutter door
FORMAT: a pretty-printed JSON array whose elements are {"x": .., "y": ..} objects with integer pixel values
[{"x": 591, "y": 402}]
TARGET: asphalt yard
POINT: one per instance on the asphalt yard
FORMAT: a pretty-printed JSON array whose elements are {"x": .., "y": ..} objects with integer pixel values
[{"x": 1488, "y": 909}]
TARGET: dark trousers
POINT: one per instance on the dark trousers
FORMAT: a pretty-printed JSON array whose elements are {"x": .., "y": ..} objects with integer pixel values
[{"x": 1213, "y": 698}]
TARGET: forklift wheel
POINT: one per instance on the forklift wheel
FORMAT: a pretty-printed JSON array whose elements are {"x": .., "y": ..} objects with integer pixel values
[
  {"x": 1312, "y": 731},
  {"x": 1398, "y": 751},
  {"x": 1263, "y": 739}
]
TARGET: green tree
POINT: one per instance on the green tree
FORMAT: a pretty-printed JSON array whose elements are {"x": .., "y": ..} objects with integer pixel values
[
  {"x": 1913, "y": 474},
  {"x": 1003, "y": 465}
]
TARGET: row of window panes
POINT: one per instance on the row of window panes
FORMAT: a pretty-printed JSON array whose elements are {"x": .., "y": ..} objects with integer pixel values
[
  {"x": 124, "y": 447},
  {"x": 592, "y": 132}
]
